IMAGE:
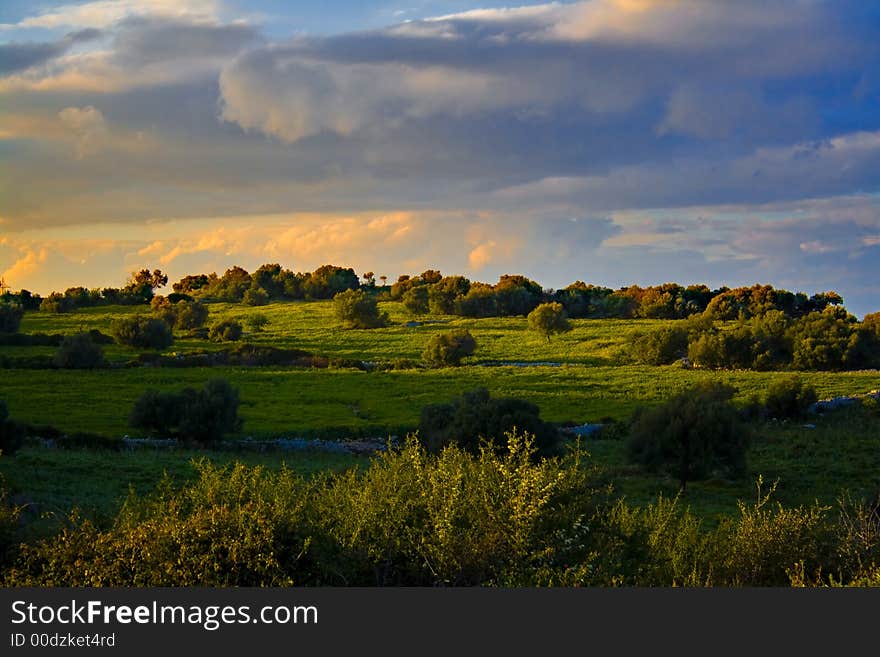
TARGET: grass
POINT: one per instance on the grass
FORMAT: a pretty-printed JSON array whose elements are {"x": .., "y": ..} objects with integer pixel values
[{"x": 590, "y": 385}]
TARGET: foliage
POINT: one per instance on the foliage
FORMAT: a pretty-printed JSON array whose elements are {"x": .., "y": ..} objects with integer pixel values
[
  {"x": 11, "y": 432},
  {"x": 79, "y": 352},
  {"x": 660, "y": 347},
  {"x": 357, "y": 309},
  {"x": 228, "y": 330},
  {"x": 190, "y": 314},
  {"x": 255, "y": 296},
  {"x": 202, "y": 416},
  {"x": 693, "y": 435},
  {"x": 549, "y": 318},
  {"x": 789, "y": 398},
  {"x": 10, "y": 317},
  {"x": 475, "y": 417},
  {"x": 415, "y": 300},
  {"x": 447, "y": 349},
  {"x": 141, "y": 331},
  {"x": 256, "y": 322}
]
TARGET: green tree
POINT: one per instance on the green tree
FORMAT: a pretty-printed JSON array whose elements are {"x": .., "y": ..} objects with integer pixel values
[
  {"x": 447, "y": 349},
  {"x": 359, "y": 310},
  {"x": 227, "y": 330},
  {"x": 142, "y": 332},
  {"x": 549, "y": 318},
  {"x": 415, "y": 300},
  {"x": 79, "y": 352},
  {"x": 789, "y": 397},
  {"x": 693, "y": 435},
  {"x": 10, "y": 317}
]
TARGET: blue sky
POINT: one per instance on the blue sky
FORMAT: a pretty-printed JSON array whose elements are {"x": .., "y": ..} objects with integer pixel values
[{"x": 611, "y": 141}]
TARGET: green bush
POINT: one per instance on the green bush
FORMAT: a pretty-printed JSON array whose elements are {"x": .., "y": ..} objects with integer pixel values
[
  {"x": 142, "y": 332},
  {"x": 255, "y": 296},
  {"x": 660, "y": 347},
  {"x": 358, "y": 310},
  {"x": 201, "y": 416},
  {"x": 549, "y": 318},
  {"x": 79, "y": 352},
  {"x": 11, "y": 432},
  {"x": 190, "y": 314},
  {"x": 447, "y": 349},
  {"x": 789, "y": 398},
  {"x": 693, "y": 435},
  {"x": 10, "y": 317},
  {"x": 227, "y": 330},
  {"x": 475, "y": 417}
]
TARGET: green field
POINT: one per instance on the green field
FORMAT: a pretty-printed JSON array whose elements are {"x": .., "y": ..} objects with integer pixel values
[{"x": 589, "y": 384}]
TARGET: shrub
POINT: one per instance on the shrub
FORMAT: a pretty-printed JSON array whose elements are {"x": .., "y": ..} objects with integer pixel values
[
  {"x": 142, "y": 332},
  {"x": 202, "y": 416},
  {"x": 549, "y": 318},
  {"x": 415, "y": 300},
  {"x": 255, "y": 296},
  {"x": 447, "y": 349},
  {"x": 789, "y": 398},
  {"x": 256, "y": 322},
  {"x": 11, "y": 432},
  {"x": 475, "y": 417},
  {"x": 227, "y": 330},
  {"x": 79, "y": 352},
  {"x": 660, "y": 347},
  {"x": 190, "y": 314},
  {"x": 10, "y": 317},
  {"x": 693, "y": 435},
  {"x": 357, "y": 309}
]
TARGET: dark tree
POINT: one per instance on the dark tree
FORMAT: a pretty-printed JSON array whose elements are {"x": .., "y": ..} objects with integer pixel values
[
  {"x": 415, "y": 300},
  {"x": 693, "y": 435},
  {"x": 357, "y": 309},
  {"x": 11, "y": 432},
  {"x": 475, "y": 417},
  {"x": 142, "y": 332},
  {"x": 227, "y": 330},
  {"x": 10, "y": 317},
  {"x": 79, "y": 352},
  {"x": 447, "y": 349}
]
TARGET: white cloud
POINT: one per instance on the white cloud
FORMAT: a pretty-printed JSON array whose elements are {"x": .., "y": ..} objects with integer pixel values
[
  {"x": 105, "y": 13},
  {"x": 88, "y": 127}
]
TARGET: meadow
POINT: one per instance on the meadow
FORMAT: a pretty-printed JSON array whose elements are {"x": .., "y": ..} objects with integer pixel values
[{"x": 577, "y": 377}]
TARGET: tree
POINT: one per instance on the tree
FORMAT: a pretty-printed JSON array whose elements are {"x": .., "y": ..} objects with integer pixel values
[
  {"x": 203, "y": 416},
  {"x": 415, "y": 300},
  {"x": 142, "y": 284},
  {"x": 447, "y": 349},
  {"x": 79, "y": 352},
  {"x": 10, "y": 317},
  {"x": 227, "y": 330},
  {"x": 190, "y": 314},
  {"x": 789, "y": 398},
  {"x": 549, "y": 318},
  {"x": 142, "y": 332},
  {"x": 693, "y": 435},
  {"x": 475, "y": 417},
  {"x": 11, "y": 432},
  {"x": 357, "y": 309},
  {"x": 255, "y": 296}
]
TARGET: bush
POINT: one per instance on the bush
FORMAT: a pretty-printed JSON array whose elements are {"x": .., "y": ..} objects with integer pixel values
[
  {"x": 549, "y": 318},
  {"x": 359, "y": 310},
  {"x": 228, "y": 330},
  {"x": 79, "y": 352},
  {"x": 190, "y": 314},
  {"x": 256, "y": 322},
  {"x": 789, "y": 398},
  {"x": 201, "y": 416},
  {"x": 447, "y": 349},
  {"x": 415, "y": 300},
  {"x": 476, "y": 417},
  {"x": 693, "y": 435},
  {"x": 11, "y": 432},
  {"x": 255, "y": 296},
  {"x": 142, "y": 332},
  {"x": 10, "y": 317},
  {"x": 660, "y": 347}
]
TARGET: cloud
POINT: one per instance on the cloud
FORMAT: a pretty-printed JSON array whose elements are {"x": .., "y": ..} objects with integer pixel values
[
  {"x": 87, "y": 126},
  {"x": 105, "y": 13},
  {"x": 16, "y": 56}
]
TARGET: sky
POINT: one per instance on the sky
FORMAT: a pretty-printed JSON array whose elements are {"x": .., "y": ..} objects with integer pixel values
[{"x": 609, "y": 141}]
